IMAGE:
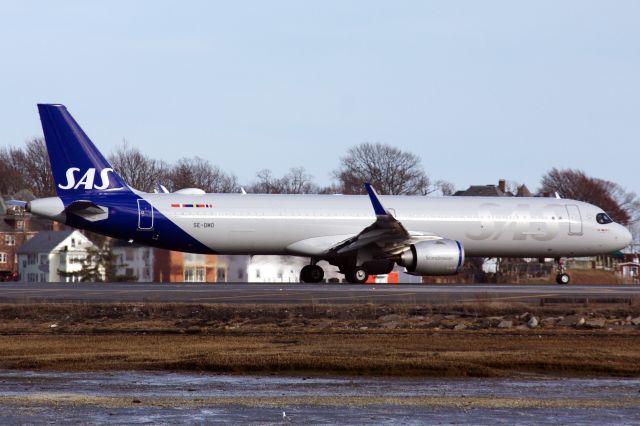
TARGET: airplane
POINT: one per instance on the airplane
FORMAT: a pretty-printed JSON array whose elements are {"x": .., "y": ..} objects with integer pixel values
[{"x": 362, "y": 235}]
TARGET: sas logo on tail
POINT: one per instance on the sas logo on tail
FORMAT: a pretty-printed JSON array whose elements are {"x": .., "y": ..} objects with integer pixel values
[{"x": 87, "y": 180}]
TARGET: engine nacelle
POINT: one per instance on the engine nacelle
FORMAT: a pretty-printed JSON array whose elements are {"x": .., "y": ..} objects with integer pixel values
[
  {"x": 190, "y": 191},
  {"x": 436, "y": 257}
]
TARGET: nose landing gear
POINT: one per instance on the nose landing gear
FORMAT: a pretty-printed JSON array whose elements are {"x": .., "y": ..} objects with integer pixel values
[{"x": 562, "y": 277}]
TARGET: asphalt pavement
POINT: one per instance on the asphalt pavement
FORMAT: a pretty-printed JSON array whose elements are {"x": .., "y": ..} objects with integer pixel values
[{"x": 296, "y": 293}]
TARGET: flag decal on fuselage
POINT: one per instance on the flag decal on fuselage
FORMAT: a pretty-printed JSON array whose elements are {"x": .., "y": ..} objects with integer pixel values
[{"x": 199, "y": 206}]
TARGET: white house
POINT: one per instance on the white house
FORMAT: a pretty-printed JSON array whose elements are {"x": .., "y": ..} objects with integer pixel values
[
  {"x": 49, "y": 252},
  {"x": 133, "y": 261},
  {"x": 284, "y": 269},
  {"x": 232, "y": 268},
  {"x": 629, "y": 271}
]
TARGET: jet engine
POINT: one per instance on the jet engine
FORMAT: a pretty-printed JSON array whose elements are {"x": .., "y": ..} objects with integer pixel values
[
  {"x": 190, "y": 191},
  {"x": 436, "y": 257}
]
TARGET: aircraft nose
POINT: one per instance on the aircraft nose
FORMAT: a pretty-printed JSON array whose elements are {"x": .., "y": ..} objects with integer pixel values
[{"x": 623, "y": 236}]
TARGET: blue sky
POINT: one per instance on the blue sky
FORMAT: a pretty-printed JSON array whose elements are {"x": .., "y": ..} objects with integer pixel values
[{"x": 479, "y": 90}]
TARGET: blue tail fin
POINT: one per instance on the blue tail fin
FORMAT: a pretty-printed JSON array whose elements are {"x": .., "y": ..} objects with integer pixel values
[{"x": 78, "y": 167}]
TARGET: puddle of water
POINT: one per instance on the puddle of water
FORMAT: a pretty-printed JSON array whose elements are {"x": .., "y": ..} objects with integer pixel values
[{"x": 178, "y": 398}]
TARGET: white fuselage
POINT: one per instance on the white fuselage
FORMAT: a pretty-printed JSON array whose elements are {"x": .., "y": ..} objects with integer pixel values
[{"x": 308, "y": 224}]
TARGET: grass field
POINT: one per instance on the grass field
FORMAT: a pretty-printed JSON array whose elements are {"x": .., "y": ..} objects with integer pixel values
[{"x": 456, "y": 340}]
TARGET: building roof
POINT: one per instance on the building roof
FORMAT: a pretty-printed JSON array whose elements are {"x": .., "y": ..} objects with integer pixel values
[
  {"x": 523, "y": 191},
  {"x": 44, "y": 241},
  {"x": 493, "y": 191},
  {"x": 481, "y": 191},
  {"x": 617, "y": 254},
  {"x": 32, "y": 223}
]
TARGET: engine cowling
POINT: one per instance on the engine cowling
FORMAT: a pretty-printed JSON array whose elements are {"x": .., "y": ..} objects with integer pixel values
[
  {"x": 190, "y": 191},
  {"x": 436, "y": 257}
]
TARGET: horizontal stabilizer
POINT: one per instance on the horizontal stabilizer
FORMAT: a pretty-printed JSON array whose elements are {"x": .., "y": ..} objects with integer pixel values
[{"x": 16, "y": 203}]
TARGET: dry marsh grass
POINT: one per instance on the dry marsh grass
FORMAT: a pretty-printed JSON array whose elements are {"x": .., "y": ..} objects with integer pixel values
[
  {"x": 319, "y": 339},
  {"x": 443, "y": 354}
]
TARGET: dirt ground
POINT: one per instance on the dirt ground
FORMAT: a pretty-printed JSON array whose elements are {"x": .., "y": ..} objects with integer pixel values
[{"x": 481, "y": 340}]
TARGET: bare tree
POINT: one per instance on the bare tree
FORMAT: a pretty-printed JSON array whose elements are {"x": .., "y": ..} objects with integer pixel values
[
  {"x": 622, "y": 206},
  {"x": 11, "y": 178},
  {"x": 626, "y": 201},
  {"x": 199, "y": 173},
  {"x": 296, "y": 181},
  {"x": 635, "y": 231},
  {"x": 27, "y": 168},
  {"x": 512, "y": 186},
  {"x": 388, "y": 169},
  {"x": 266, "y": 183},
  {"x": 38, "y": 168},
  {"x": 137, "y": 169},
  {"x": 333, "y": 188},
  {"x": 445, "y": 187}
]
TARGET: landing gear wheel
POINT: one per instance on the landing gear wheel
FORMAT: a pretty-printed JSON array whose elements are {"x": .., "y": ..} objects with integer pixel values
[
  {"x": 562, "y": 278},
  {"x": 311, "y": 274},
  {"x": 316, "y": 274},
  {"x": 357, "y": 275}
]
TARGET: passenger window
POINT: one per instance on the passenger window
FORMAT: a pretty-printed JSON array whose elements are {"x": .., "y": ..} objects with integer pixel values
[{"x": 603, "y": 218}]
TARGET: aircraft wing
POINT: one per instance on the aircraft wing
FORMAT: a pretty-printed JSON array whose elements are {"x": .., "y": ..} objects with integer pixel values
[{"x": 386, "y": 236}]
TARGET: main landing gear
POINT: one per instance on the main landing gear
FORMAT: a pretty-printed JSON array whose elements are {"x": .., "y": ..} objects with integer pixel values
[
  {"x": 357, "y": 275},
  {"x": 562, "y": 277},
  {"x": 311, "y": 274}
]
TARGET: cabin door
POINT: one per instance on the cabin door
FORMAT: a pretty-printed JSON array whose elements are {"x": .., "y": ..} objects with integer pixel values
[
  {"x": 145, "y": 215},
  {"x": 575, "y": 219}
]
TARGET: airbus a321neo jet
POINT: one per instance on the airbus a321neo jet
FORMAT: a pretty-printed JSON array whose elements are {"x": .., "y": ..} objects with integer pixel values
[{"x": 361, "y": 235}]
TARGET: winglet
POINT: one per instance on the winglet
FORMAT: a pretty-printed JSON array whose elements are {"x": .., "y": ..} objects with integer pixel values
[
  {"x": 160, "y": 189},
  {"x": 375, "y": 201}
]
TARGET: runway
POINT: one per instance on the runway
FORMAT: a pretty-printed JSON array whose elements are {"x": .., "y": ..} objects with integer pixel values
[{"x": 244, "y": 293}]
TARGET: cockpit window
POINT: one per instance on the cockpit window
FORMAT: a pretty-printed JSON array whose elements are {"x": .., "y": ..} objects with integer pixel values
[{"x": 602, "y": 218}]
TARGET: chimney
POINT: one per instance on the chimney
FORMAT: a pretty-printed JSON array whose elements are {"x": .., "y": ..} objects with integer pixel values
[
  {"x": 502, "y": 185},
  {"x": 55, "y": 226}
]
